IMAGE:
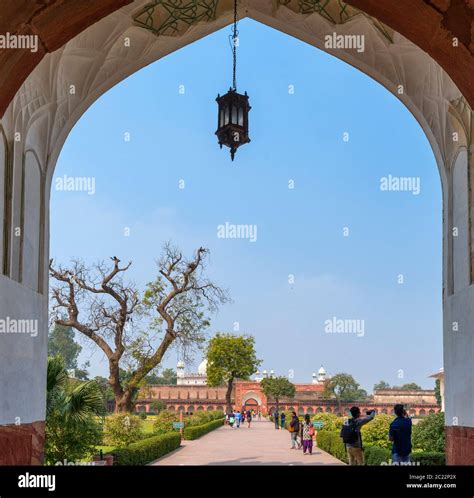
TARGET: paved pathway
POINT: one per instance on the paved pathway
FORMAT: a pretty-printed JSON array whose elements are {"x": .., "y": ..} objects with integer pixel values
[{"x": 259, "y": 445}]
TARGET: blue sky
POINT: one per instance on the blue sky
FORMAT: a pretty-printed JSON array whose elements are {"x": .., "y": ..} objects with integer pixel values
[{"x": 295, "y": 136}]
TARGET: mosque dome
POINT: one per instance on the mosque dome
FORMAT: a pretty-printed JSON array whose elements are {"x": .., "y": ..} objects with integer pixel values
[
  {"x": 180, "y": 364},
  {"x": 202, "y": 369},
  {"x": 321, "y": 370}
]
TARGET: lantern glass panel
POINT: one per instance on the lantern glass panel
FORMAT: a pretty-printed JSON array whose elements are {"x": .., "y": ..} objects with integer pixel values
[
  {"x": 221, "y": 119},
  {"x": 241, "y": 116},
  {"x": 234, "y": 114},
  {"x": 226, "y": 119}
]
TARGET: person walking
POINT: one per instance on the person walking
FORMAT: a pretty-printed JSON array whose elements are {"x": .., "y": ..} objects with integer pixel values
[
  {"x": 259, "y": 415},
  {"x": 231, "y": 419},
  {"x": 283, "y": 420},
  {"x": 400, "y": 435},
  {"x": 276, "y": 419},
  {"x": 249, "y": 418},
  {"x": 350, "y": 434},
  {"x": 238, "y": 418},
  {"x": 307, "y": 435},
  {"x": 294, "y": 429}
]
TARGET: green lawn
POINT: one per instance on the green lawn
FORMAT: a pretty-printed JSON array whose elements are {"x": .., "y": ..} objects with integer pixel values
[{"x": 148, "y": 426}]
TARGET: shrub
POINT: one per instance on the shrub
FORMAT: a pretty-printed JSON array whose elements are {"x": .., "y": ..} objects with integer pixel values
[
  {"x": 375, "y": 455},
  {"x": 147, "y": 450},
  {"x": 197, "y": 431},
  {"x": 429, "y": 457},
  {"x": 142, "y": 415},
  {"x": 122, "y": 429},
  {"x": 331, "y": 421},
  {"x": 164, "y": 422},
  {"x": 375, "y": 433},
  {"x": 428, "y": 433},
  {"x": 157, "y": 406},
  {"x": 331, "y": 442}
]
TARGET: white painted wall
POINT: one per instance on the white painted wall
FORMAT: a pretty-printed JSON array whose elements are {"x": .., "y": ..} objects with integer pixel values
[{"x": 22, "y": 357}]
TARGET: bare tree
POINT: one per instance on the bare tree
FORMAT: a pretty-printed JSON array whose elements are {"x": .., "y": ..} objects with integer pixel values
[{"x": 175, "y": 307}]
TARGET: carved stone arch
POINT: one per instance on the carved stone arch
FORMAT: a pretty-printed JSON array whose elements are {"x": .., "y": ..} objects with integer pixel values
[
  {"x": 32, "y": 222},
  {"x": 251, "y": 395},
  {"x": 5, "y": 185},
  {"x": 460, "y": 226}
]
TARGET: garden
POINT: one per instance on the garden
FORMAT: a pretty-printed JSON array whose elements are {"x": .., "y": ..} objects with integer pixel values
[{"x": 428, "y": 439}]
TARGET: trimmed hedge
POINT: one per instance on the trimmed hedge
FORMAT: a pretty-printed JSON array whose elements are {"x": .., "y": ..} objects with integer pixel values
[
  {"x": 429, "y": 457},
  {"x": 197, "y": 431},
  {"x": 147, "y": 450},
  {"x": 375, "y": 455},
  {"x": 331, "y": 442}
]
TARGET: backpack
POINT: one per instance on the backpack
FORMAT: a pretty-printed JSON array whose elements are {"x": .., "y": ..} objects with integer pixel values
[{"x": 349, "y": 432}]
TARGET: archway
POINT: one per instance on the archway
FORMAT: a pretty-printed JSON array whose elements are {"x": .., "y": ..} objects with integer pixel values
[
  {"x": 251, "y": 404},
  {"x": 44, "y": 119}
]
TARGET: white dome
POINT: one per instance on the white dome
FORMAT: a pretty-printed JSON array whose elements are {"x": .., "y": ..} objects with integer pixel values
[
  {"x": 180, "y": 364},
  {"x": 321, "y": 370},
  {"x": 202, "y": 369}
]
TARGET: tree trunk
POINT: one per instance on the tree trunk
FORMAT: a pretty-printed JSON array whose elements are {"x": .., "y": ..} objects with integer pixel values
[
  {"x": 124, "y": 404},
  {"x": 278, "y": 405},
  {"x": 228, "y": 395}
]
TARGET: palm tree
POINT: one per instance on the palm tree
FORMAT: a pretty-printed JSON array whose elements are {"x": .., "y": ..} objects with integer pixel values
[{"x": 72, "y": 408}]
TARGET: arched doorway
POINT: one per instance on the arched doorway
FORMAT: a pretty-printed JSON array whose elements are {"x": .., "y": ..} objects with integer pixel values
[
  {"x": 251, "y": 404},
  {"x": 24, "y": 262}
]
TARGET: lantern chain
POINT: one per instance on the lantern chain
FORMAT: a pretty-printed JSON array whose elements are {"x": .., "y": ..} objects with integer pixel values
[{"x": 235, "y": 35}]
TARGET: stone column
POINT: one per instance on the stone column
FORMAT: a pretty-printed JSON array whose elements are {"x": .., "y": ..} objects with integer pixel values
[
  {"x": 458, "y": 395},
  {"x": 23, "y": 307}
]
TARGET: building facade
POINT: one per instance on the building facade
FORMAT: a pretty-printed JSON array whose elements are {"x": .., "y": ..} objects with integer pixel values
[{"x": 192, "y": 394}]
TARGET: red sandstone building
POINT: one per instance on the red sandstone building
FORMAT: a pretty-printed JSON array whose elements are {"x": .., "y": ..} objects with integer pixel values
[{"x": 192, "y": 394}]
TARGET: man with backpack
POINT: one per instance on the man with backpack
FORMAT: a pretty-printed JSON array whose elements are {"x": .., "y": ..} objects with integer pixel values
[{"x": 351, "y": 436}]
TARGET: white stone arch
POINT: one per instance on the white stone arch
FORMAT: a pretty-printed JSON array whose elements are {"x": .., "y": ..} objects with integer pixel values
[{"x": 43, "y": 112}]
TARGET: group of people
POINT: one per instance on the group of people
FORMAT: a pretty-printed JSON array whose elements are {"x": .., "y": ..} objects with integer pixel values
[
  {"x": 399, "y": 433},
  {"x": 237, "y": 417},
  {"x": 302, "y": 433}
]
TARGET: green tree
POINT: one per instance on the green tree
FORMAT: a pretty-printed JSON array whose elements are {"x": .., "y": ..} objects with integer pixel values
[
  {"x": 408, "y": 387},
  {"x": 437, "y": 392},
  {"x": 158, "y": 406},
  {"x": 175, "y": 309},
  {"x": 382, "y": 385},
  {"x": 230, "y": 357},
  {"x": 428, "y": 433},
  {"x": 342, "y": 387},
  {"x": 277, "y": 388},
  {"x": 167, "y": 378},
  {"x": 61, "y": 342},
  {"x": 72, "y": 429}
]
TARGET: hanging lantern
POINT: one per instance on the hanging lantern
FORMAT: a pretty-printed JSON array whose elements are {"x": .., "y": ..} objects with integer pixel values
[
  {"x": 233, "y": 108},
  {"x": 233, "y": 125}
]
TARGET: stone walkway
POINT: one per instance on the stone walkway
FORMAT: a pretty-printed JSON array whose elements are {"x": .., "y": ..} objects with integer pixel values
[{"x": 259, "y": 445}]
